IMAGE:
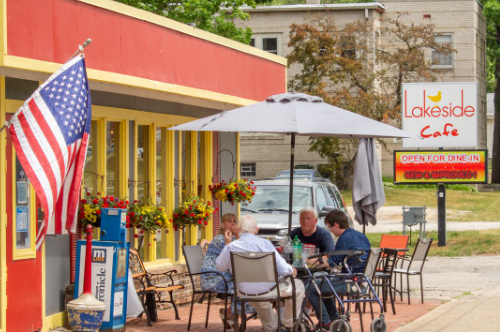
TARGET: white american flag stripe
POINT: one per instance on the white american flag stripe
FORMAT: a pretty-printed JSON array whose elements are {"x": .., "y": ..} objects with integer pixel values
[
  {"x": 35, "y": 165},
  {"x": 67, "y": 186},
  {"x": 47, "y": 150},
  {"x": 49, "y": 118}
]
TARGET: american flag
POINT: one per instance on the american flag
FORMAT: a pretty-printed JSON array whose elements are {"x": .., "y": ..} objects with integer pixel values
[{"x": 50, "y": 133}]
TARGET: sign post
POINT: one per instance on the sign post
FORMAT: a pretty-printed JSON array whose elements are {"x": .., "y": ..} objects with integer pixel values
[{"x": 441, "y": 198}]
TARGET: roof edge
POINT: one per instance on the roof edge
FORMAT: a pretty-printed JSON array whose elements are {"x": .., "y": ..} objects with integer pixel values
[{"x": 341, "y": 6}]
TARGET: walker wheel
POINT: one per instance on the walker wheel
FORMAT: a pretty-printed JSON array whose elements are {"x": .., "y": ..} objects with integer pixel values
[
  {"x": 340, "y": 326},
  {"x": 378, "y": 325},
  {"x": 298, "y": 327}
]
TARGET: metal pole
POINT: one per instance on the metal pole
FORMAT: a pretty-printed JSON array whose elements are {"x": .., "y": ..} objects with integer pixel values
[
  {"x": 290, "y": 199},
  {"x": 87, "y": 278},
  {"x": 441, "y": 201}
]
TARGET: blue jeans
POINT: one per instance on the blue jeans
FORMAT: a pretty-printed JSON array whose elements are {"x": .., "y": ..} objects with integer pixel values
[{"x": 329, "y": 311}]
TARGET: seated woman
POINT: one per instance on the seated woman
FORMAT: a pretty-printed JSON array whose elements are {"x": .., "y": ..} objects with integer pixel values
[{"x": 212, "y": 282}]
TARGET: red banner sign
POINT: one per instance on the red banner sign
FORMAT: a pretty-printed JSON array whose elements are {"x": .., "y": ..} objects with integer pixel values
[{"x": 443, "y": 166}]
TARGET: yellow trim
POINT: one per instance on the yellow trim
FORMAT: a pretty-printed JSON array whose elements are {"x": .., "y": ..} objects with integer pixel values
[
  {"x": 3, "y": 201},
  {"x": 135, "y": 243},
  {"x": 150, "y": 250},
  {"x": 183, "y": 28},
  {"x": 25, "y": 253},
  {"x": 206, "y": 170},
  {"x": 179, "y": 233},
  {"x": 54, "y": 321},
  {"x": 168, "y": 188},
  {"x": 238, "y": 159},
  {"x": 192, "y": 178},
  {"x": 15, "y": 62}
]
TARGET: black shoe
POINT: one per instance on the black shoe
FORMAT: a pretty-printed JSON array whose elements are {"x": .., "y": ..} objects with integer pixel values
[{"x": 324, "y": 327}]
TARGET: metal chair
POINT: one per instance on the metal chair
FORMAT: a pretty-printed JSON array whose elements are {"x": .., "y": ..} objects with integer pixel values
[
  {"x": 383, "y": 277},
  {"x": 370, "y": 270},
  {"x": 414, "y": 267},
  {"x": 394, "y": 242},
  {"x": 258, "y": 267},
  {"x": 194, "y": 260},
  {"x": 150, "y": 293}
]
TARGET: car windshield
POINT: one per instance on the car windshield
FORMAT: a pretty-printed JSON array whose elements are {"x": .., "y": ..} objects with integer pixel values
[{"x": 275, "y": 198}]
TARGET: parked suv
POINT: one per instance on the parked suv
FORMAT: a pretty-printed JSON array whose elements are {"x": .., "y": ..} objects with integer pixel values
[{"x": 270, "y": 203}]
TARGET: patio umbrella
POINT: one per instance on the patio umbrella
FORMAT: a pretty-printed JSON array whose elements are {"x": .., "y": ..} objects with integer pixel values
[
  {"x": 295, "y": 114},
  {"x": 367, "y": 189}
]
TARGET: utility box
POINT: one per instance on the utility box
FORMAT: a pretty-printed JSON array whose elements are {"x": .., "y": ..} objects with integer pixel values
[
  {"x": 109, "y": 268},
  {"x": 413, "y": 215}
]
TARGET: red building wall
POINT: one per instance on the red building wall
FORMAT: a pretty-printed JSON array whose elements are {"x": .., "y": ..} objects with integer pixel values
[
  {"x": 130, "y": 46},
  {"x": 24, "y": 277}
]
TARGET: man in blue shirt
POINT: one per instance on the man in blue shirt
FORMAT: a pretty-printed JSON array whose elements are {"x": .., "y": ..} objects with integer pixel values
[{"x": 348, "y": 239}]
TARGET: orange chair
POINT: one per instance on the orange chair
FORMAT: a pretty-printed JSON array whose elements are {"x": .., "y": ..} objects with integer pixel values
[{"x": 394, "y": 242}]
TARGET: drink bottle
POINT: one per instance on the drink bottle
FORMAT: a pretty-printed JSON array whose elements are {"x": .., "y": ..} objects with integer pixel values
[{"x": 297, "y": 251}]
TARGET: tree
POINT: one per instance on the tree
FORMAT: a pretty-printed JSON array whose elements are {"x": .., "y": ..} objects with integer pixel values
[
  {"x": 215, "y": 16},
  {"x": 350, "y": 68},
  {"x": 491, "y": 10}
]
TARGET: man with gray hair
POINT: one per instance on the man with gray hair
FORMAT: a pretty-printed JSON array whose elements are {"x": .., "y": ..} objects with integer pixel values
[
  {"x": 310, "y": 233},
  {"x": 249, "y": 242}
]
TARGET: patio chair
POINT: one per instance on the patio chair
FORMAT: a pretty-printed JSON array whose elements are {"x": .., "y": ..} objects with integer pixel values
[
  {"x": 414, "y": 266},
  {"x": 258, "y": 267},
  {"x": 394, "y": 242},
  {"x": 383, "y": 277},
  {"x": 149, "y": 293},
  {"x": 370, "y": 270},
  {"x": 194, "y": 260}
]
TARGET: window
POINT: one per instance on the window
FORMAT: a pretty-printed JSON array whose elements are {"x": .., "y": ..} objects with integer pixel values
[
  {"x": 248, "y": 169},
  {"x": 348, "y": 45},
  {"x": 321, "y": 199},
  {"x": 440, "y": 60},
  {"x": 268, "y": 43}
]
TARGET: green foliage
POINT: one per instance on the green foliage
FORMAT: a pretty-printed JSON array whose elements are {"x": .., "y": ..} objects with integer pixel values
[
  {"x": 301, "y": 2},
  {"x": 462, "y": 187},
  {"x": 491, "y": 11},
  {"x": 347, "y": 69},
  {"x": 215, "y": 16}
]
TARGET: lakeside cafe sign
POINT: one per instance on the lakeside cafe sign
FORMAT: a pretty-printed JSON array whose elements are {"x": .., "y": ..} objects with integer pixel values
[
  {"x": 444, "y": 114},
  {"x": 441, "y": 166}
]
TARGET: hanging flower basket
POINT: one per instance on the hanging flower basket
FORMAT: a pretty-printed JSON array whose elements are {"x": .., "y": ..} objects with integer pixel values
[
  {"x": 89, "y": 210},
  {"x": 146, "y": 216},
  {"x": 192, "y": 211},
  {"x": 240, "y": 191}
]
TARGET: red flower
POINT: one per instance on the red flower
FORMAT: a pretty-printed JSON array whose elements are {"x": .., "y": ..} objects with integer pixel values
[
  {"x": 111, "y": 198},
  {"x": 88, "y": 194},
  {"x": 136, "y": 235},
  {"x": 192, "y": 214},
  {"x": 199, "y": 222},
  {"x": 127, "y": 226},
  {"x": 149, "y": 244},
  {"x": 208, "y": 203},
  {"x": 84, "y": 201},
  {"x": 95, "y": 201},
  {"x": 98, "y": 211},
  {"x": 186, "y": 212},
  {"x": 132, "y": 214},
  {"x": 206, "y": 222},
  {"x": 127, "y": 202},
  {"x": 176, "y": 215}
]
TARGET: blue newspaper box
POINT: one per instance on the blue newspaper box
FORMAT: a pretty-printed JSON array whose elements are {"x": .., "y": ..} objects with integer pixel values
[{"x": 109, "y": 268}]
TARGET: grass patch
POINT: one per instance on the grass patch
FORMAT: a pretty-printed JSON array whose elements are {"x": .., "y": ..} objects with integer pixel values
[
  {"x": 482, "y": 206},
  {"x": 459, "y": 244}
]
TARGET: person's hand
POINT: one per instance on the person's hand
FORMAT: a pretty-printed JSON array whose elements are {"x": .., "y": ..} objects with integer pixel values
[
  {"x": 294, "y": 273},
  {"x": 228, "y": 236},
  {"x": 236, "y": 231}
]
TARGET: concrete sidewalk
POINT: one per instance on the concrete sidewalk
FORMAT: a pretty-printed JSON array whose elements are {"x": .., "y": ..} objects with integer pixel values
[{"x": 471, "y": 287}]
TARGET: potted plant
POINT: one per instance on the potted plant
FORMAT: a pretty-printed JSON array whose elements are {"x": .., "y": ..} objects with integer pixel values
[
  {"x": 236, "y": 191},
  {"x": 193, "y": 211},
  {"x": 146, "y": 217},
  {"x": 91, "y": 206}
]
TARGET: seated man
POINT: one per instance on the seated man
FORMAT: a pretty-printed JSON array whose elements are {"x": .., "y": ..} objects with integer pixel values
[
  {"x": 249, "y": 242},
  {"x": 310, "y": 233},
  {"x": 348, "y": 239}
]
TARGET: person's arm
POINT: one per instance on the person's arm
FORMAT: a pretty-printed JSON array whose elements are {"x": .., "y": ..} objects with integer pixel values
[
  {"x": 283, "y": 267},
  {"x": 223, "y": 262},
  {"x": 335, "y": 260}
]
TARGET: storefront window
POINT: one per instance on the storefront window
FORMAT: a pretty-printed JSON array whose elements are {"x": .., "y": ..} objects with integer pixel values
[
  {"x": 23, "y": 209},
  {"x": 113, "y": 133},
  {"x": 142, "y": 181},
  {"x": 90, "y": 175}
]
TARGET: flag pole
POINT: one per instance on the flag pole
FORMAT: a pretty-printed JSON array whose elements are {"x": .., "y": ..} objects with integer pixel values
[{"x": 80, "y": 50}]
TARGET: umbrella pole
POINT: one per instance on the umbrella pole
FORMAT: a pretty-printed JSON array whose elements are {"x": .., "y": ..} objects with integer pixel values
[{"x": 290, "y": 200}]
